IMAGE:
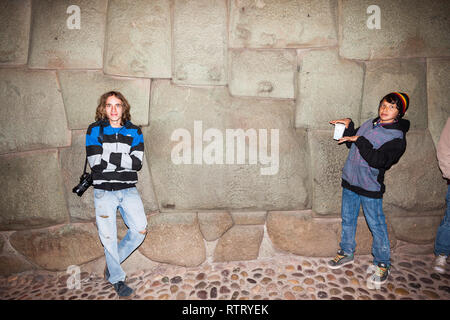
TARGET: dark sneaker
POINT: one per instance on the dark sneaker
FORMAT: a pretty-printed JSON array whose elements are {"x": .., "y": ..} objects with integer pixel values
[
  {"x": 381, "y": 273},
  {"x": 340, "y": 260},
  {"x": 122, "y": 289}
]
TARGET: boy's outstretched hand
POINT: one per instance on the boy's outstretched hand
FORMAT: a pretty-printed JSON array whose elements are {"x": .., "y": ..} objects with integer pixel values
[{"x": 348, "y": 139}]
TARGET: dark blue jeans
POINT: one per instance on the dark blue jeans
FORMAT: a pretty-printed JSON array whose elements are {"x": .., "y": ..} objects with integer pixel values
[
  {"x": 442, "y": 242},
  {"x": 373, "y": 212}
]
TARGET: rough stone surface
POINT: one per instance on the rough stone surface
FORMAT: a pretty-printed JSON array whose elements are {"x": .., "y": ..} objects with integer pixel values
[
  {"x": 327, "y": 161},
  {"x": 138, "y": 39},
  {"x": 213, "y": 224},
  {"x": 383, "y": 77},
  {"x": 247, "y": 217},
  {"x": 32, "y": 192},
  {"x": 329, "y": 88},
  {"x": 14, "y": 31},
  {"x": 411, "y": 28},
  {"x": 234, "y": 186},
  {"x": 438, "y": 80},
  {"x": 299, "y": 233},
  {"x": 80, "y": 108},
  {"x": 239, "y": 243},
  {"x": 419, "y": 230},
  {"x": 282, "y": 24},
  {"x": 57, "y": 248},
  {"x": 55, "y": 46},
  {"x": 200, "y": 35},
  {"x": 424, "y": 190},
  {"x": 263, "y": 73},
  {"x": 32, "y": 111},
  {"x": 174, "y": 238},
  {"x": 72, "y": 162}
]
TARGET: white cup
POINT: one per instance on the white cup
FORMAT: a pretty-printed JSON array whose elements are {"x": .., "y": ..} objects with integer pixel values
[{"x": 339, "y": 129}]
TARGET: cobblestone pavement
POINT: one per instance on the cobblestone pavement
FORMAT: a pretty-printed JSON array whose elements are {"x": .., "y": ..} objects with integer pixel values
[{"x": 284, "y": 277}]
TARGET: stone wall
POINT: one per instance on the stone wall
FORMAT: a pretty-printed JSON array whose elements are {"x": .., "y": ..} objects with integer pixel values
[{"x": 240, "y": 64}]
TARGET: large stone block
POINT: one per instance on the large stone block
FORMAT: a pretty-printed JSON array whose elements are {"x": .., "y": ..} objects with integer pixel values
[
  {"x": 72, "y": 162},
  {"x": 200, "y": 42},
  {"x": 80, "y": 109},
  {"x": 54, "y": 46},
  {"x": 33, "y": 114},
  {"x": 438, "y": 83},
  {"x": 263, "y": 73},
  {"x": 418, "y": 230},
  {"x": 327, "y": 161},
  {"x": 218, "y": 183},
  {"x": 32, "y": 193},
  {"x": 329, "y": 88},
  {"x": 283, "y": 23},
  {"x": 383, "y": 77},
  {"x": 138, "y": 39},
  {"x": 299, "y": 233},
  {"x": 57, "y": 248},
  {"x": 213, "y": 224},
  {"x": 15, "y": 17},
  {"x": 174, "y": 238},
  {"x": 415, "y": 183},
  {"x": 411, "y": 28},
  {"x": 239, "y": 243}
]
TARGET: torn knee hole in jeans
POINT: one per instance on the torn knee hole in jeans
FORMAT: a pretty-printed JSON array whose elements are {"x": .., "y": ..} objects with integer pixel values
[
  {"x": 143, "y": 232},
  {"x": 104, "y": 217}
]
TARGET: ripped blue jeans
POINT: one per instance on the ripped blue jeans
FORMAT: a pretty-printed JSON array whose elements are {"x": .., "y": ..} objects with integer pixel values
[
  {"x": 373, "y": 212},
  {"x": 130, "y": 206}
]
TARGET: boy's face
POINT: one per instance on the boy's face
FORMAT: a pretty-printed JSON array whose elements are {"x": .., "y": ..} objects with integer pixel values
[
  {"x": 387, "y": 111},
  {"x": 114, "y": 109}
]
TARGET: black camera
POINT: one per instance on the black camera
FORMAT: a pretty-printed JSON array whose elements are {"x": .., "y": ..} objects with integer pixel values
[{"x": 85, "y": 183}]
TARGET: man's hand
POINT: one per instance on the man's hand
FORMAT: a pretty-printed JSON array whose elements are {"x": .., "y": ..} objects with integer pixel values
[{"x": 348, "y": 139}]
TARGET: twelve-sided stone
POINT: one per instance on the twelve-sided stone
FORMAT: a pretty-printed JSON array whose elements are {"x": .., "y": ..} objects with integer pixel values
[
  {"x": 32, "y": 192},
  {"x": 80, "y": 108},
  {"x": 235, "y": 186},
  {"x": 55, "y": 46},
  {"x": 282, "y": 24},
  {"x": 32, "y": 111},
  {"x": 200, "y": 35},
  {"x": 138, "y": 40}
]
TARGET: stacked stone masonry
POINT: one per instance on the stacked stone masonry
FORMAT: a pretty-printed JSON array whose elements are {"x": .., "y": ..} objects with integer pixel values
[{"x": 238, "y": 64}]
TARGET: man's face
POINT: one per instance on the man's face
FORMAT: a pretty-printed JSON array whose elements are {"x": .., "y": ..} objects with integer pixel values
[
  {"x": 387, "y": 111},
  {"x": 114, "y": 109}
]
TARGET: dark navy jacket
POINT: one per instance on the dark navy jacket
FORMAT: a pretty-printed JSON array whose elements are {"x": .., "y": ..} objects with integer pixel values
[
  {"x": 374, "y": 152},
  {"x": 115, "y": 160}
]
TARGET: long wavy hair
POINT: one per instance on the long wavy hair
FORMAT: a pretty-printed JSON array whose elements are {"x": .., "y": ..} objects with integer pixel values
[{"x": 100, "y": 113}]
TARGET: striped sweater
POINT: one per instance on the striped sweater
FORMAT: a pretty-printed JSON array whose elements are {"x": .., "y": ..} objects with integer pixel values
[{"x": 115, "y": 162}]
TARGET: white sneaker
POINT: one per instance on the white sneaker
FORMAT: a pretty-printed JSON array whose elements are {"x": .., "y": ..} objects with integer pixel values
[{"x": 440, "y": 263}]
